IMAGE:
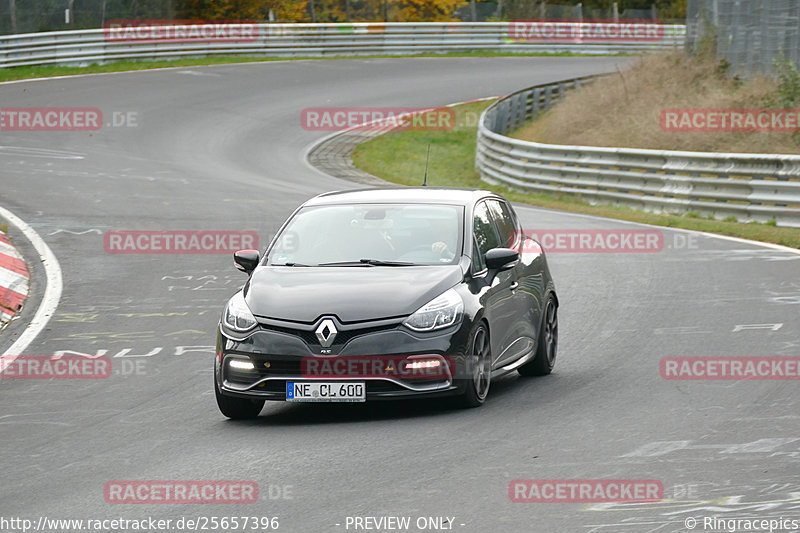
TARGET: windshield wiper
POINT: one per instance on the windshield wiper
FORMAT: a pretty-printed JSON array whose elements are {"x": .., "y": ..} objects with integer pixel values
[
  {"x": 289, "y": 265},
  {"x": 368, "y": 262},
  {"x": 378, "y": 262}
]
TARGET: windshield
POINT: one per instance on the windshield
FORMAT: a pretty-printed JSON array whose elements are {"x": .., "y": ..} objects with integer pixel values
[{"x": 370, "y": 234}]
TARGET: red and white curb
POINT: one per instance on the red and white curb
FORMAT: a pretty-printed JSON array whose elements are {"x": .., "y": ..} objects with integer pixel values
[
  {"x": 53, "y": 285},
  {"x": 14, "y": 280}
]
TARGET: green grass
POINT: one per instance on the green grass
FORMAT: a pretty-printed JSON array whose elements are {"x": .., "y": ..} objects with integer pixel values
[
  {"x": 399, "y": 157},
  {"x": 47, "y": 71}
]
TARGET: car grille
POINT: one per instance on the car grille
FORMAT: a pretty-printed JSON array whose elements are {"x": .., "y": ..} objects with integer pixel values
[
  {"x": 342, "y": 336},
  {"x": 277, "y": 366}
]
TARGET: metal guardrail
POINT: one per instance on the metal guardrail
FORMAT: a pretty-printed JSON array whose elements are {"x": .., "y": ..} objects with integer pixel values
[
  {"x": 288, "y": 40},
  {"x": 750, "y": 187}
]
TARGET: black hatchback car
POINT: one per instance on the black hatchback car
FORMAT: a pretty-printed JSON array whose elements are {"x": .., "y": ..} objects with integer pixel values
[{"x": 387, "y": 294}]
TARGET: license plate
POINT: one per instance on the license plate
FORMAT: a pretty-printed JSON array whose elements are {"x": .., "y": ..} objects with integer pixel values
[{"x": 325, "y": 391}]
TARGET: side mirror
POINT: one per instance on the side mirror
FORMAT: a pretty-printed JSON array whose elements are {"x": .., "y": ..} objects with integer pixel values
[
  {"x": 246, "y": 260},
  {"x": 499, "y": 259}
]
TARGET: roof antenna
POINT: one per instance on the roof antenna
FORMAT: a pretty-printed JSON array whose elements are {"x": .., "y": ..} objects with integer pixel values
[{"x": 427, "y": 158}]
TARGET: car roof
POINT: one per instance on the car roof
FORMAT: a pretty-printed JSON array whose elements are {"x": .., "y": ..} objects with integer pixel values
[{"x": 433, "y": 195}]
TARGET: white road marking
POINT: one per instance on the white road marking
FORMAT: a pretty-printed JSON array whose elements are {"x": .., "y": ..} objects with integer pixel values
[
  {"x": 770, "y": 327},
  {"x": 93, "y": 230},
  {"x": 38, "y": 152},
  {"x": 52, "y": 292}
]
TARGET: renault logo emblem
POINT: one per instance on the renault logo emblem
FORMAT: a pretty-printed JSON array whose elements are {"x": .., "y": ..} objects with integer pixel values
[{"x": 326, "y": 332}]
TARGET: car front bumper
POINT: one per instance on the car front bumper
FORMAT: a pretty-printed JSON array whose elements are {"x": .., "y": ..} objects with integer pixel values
[{"x": 278, "y": 355}]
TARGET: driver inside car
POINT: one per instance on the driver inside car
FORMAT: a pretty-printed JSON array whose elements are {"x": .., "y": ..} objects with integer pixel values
[{"x": 444, "y": 243}]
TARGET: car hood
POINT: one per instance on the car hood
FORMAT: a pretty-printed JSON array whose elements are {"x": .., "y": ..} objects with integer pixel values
[{"x": 303, "y": 294}]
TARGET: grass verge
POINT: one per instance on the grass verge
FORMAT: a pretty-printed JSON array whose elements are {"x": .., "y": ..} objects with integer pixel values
[
  {"x": 399, "y": 157},
  {"x": 49, "y": 71},
  {"x": 625, "y": 109}
]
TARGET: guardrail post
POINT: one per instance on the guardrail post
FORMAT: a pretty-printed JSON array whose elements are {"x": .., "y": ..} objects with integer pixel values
[
  {"x": 537, "y": 97},
  {"x": 562, "y": 89}
]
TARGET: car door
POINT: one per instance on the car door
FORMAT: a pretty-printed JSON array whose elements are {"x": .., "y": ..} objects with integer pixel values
[
  {"x": 497, "y": 300},
  {"x": 522, "y": 305}
]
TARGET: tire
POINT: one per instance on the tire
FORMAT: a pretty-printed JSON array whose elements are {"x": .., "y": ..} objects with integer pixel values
[
  {"x": 237, "y": 408},
  {"x": 479, "y": 369},
  {"x": 547, "y": 346}
]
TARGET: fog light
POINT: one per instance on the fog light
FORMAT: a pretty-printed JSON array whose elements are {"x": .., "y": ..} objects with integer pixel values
[
  {"x": 423, "y": 364},
  {"x": 240, "y": 364}
]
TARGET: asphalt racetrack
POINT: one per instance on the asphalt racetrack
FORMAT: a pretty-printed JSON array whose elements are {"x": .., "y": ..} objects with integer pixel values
[{"x": 222, "y": 148}]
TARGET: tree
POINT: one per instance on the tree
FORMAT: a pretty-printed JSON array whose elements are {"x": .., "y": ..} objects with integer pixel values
[
  {"x": 289, "y": 10},
  {"x": 675, "y": 10},
  {"x": 228, "y": 10},
  {"x": 425, "y": 10}
]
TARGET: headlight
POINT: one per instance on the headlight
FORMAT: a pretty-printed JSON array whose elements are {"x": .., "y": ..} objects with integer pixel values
[
  {"x": 237, "y": 315},
  {"x": 441, "y": 312}
]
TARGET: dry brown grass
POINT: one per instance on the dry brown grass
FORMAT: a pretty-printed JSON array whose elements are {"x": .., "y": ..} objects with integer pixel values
[{"x": 625, "y": 109}]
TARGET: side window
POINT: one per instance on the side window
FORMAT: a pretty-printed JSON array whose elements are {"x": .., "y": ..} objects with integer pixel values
[
  {"x": 506, "y": 224},
  {"x": 482, "y": 225},
  {"x": 478, "y": 264}
]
